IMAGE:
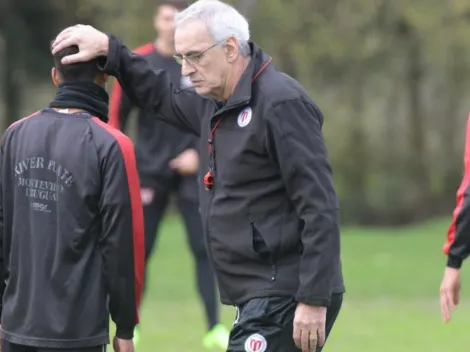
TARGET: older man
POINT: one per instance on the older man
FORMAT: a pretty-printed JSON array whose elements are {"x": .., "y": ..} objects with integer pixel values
[{"x": 267, "y": 197}]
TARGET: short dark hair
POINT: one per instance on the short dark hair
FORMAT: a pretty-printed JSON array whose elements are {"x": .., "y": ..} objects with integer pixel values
[
  {"x": 80, "y": 71},
  {"x": 177, "y": 4}
]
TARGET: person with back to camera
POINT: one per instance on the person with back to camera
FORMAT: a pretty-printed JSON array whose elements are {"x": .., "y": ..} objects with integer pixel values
[{"x": 71, "y": 222}]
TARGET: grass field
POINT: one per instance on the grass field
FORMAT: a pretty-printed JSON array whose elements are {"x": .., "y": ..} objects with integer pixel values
[{"x": 392, "y": 279}]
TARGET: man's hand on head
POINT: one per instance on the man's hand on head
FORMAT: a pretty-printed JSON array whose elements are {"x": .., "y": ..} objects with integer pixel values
[{"x": 91, "y": 43}]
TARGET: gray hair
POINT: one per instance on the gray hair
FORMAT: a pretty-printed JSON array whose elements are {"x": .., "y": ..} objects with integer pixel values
[{"x": 222, "y": 21}]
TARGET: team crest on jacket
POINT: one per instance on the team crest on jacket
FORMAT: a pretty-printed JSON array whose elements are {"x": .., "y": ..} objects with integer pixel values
[
  {"x": 244, "y": 117},
  {"x": 256, "y": 343}
]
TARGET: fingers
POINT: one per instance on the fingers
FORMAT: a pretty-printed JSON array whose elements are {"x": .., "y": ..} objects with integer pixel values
[
  {"x": 65, "y": 35},
  {"x": 307, "y": 340},
  {"x": 321, "y": 335},
  {"x": 78, "y": 57},
  {"x": 447, "y": 306},
  {"x": 444, "y": 309},
  {"x": 64, "y": 43},
  {"x": 313, "y": 341},
  {"x": 297, "y": 336}
]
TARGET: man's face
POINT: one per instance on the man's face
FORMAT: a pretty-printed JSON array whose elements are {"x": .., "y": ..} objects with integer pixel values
[
  {"x": 164, "y": 22},
  {"x": 205, "y": 61}
]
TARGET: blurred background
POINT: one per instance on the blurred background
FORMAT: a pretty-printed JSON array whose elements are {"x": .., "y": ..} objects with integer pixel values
[{"x": 392, "y": 78}]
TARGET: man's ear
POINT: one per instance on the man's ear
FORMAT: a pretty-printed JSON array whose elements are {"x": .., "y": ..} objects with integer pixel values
[
  {"x": 231, "y": 48},
  {"x": 55, "y": 76}
]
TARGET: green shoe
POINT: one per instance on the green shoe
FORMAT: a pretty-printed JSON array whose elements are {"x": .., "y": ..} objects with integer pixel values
[
  {"x": 136, "y": 336},
  {"x": 217, "y": 338}
]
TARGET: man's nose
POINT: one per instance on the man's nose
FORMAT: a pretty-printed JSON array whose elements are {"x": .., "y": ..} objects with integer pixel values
[{"x": 186, "y": 69}]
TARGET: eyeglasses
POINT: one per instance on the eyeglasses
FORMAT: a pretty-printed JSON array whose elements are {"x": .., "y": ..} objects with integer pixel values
[{"x": 193, "y": 58}]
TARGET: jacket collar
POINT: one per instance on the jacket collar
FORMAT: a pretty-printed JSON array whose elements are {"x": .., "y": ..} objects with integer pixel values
[{"x": 242, "y": 93}]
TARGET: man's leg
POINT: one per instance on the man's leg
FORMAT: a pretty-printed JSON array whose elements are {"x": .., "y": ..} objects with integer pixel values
[
  {"x": 189, "y": 210},
  {"x": 266, "y": 325},
  {"x": 154, "y": 204}
]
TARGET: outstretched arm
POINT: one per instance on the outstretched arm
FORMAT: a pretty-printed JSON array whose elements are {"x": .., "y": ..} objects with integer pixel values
[{"x": 147, "y": 88}]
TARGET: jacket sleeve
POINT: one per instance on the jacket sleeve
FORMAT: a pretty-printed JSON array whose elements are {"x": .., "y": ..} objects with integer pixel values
[
  {"x": 457, "y": 246},
  {"x": 152, "y": 90},
  {"x": 295, "y": 142},
  {"x": 120, "y": 107},
  {"x": 122, "y": 240}
]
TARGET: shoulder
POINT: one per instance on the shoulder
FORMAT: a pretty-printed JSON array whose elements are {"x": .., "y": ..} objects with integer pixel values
[
  {"x": 278, "y": 92},
  {"x": 109, "y": 139},
  {"x": 22, "y": 120},
  {"x": 18, "y": 123},
  {"x": 277, "y": 87}
]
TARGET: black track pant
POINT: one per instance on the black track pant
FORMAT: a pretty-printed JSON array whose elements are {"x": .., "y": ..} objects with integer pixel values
[
  {"x": 11, "y": 347},
  {"x": 189, "y": 210},
  {"x": 267, "y": 324}
]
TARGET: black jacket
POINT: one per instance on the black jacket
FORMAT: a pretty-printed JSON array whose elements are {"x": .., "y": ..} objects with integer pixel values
[
  {"x": 71, "y": 231},
  {"x": 157, "y": 142},
  {"x": 271, "y": 218}
]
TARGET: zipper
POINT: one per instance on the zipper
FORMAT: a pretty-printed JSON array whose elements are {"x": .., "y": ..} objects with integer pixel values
[
  {"x": 274, "y": 270},
  {"x": 212, "y": 168}
]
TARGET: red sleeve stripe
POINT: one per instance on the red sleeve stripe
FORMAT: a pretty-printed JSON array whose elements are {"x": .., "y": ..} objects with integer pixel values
[
  {"x": 136, "y": 204},
  {"x": 116, "y": 95},
  {"x": 460, "y": 192},
  {"x": 114, "y": 102}
]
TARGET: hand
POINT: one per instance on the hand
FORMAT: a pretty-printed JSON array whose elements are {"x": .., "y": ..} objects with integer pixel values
[
  {"x": 450, "y": 292},
  {"x": 120, "y": 345},
  {"x": 309, "y": 327},
  {"x": 186, "y": 163},
  {"x": 91, "y": 43}
]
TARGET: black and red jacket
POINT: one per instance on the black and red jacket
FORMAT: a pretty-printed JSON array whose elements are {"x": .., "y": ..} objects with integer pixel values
[
  {"x": 157, "y": 142},
  {"x": 71, "y": 231},
  {"x": 457, "y": 246}
]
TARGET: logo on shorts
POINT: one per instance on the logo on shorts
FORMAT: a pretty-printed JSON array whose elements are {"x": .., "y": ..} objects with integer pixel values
[
  {"x": 244, "y": 117},
  {"x": 255, "y": 343}
]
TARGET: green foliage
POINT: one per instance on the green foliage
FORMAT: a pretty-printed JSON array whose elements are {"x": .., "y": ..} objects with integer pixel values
[{"x": 391, "y": 77}]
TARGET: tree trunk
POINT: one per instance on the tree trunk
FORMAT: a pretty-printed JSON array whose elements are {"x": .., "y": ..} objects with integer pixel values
[
  {"x": 11, "y": 85},
  {"x": 358, "y": 164}
]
